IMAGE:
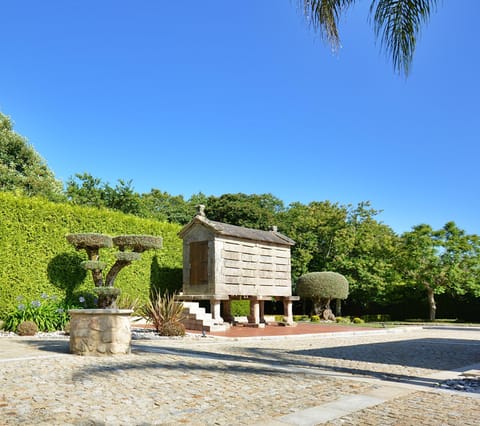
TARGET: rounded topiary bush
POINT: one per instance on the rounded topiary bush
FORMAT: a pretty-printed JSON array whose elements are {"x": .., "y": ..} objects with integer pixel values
[
  {"x": 27, "y": 328},
  {"x": 81, "y": 241},
  {"x": 137, "y": 243},
  {"x": 321, "y": 288},
  {"x": 128, "y": 256},
  {"x": 92, "y": 265},
  {"x": 330, "y": 285}
]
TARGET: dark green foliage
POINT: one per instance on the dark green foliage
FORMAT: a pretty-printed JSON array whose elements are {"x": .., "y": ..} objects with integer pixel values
[
  {"x": 35, "y": 251},
  {"x": 251, "y": 211},
  {"x": 240, "y": 308},
  {"x": 27, "y": 328},
  {"x": 325, "y": 285},
  {"x": 376, "y": 318},
  {"x": 164, "y": 278}
]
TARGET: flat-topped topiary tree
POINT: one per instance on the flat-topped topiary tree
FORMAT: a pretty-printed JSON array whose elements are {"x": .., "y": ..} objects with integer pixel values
[
  {"x": 321, "y": 288},
  {"x": 130, "y": 246}
]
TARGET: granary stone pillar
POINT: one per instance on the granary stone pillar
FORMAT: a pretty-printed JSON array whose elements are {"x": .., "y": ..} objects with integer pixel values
[
  {"x": 254, "y": 316},
  {"x": 227, "y": 310},
  {"x": 215, "y": 306},
  {"x": 287, "y": 310},
  {"x": 262, "y": 311}
]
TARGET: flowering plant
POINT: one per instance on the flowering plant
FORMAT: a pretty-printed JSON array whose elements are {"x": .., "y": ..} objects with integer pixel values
[{"x": 47, "y": 312}]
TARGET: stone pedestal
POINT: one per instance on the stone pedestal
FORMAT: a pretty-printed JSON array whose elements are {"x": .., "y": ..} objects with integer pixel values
[{"x": 100, "y": 332}]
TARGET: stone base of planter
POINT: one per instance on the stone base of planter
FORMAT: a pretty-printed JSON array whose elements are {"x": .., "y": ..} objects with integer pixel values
[{"x": 100, "y": 332}]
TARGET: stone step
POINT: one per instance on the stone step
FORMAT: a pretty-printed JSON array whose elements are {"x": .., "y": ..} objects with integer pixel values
[{"x": 198, "y": 319}]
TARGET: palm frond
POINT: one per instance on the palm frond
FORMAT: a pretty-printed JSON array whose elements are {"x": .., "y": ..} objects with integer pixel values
[
  {"x": 397, "y": 23},
  {"x": 323, "y": 16}
]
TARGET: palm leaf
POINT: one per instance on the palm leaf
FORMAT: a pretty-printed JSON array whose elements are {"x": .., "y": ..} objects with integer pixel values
[
  {"x": 323, "y": 16},
  {"x": 398, "y": 23}
]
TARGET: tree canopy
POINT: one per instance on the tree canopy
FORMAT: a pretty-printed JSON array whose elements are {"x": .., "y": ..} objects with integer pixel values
[{"x": 21, "y": 167}]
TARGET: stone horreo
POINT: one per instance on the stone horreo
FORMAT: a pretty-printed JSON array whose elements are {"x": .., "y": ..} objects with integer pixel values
[{"x": 223, "y": 262}]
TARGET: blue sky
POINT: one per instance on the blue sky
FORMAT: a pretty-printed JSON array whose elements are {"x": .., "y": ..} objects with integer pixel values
[{"x": 219, "y": 96}]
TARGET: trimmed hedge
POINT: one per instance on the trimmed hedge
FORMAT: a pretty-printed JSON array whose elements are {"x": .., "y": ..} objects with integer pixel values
[{"x": 37, "y": 259}]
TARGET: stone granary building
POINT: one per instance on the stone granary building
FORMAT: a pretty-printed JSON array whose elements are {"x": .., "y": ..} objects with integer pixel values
[{"x": 223, "y": 262}]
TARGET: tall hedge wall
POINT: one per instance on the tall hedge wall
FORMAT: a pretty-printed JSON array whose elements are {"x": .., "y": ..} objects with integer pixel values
[{"x": 35, "y": 257}]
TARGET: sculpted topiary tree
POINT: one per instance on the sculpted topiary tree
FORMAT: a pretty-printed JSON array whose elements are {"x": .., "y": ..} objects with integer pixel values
[
  {"x": 321, "y": 288},
  {"x": 130, "y": 246}
]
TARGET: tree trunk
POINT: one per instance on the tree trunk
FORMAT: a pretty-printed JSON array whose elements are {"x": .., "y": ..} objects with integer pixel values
[
  {"x": 322, "y": 309},
  {"x": 338, "y": 307},
  {"x": 116, "y": 268},
  {"x": 431, "y": 303}
]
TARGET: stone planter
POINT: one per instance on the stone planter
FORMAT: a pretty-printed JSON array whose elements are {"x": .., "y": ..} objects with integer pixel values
[{"x": 100, "y": 332}]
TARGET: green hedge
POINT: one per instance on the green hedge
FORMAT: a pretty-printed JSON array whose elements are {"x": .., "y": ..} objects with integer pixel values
[{"x": 36, "y": 258}]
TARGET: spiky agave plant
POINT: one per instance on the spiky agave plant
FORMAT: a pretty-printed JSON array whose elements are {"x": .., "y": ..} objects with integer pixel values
[{"x": 165, "y": 312}]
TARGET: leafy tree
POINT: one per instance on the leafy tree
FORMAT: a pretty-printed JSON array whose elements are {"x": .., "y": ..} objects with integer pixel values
[
  {"x": 251, "y": 211},
  {"x": 85, "y": 190},
  {"x": 163, "y": 206},
  {"x": 397, "y": 23},
  {"x": 367, "y": 257},
  {"x": 317, "y": 229},
  {"x": 345, "y": 239},
  {"x": 21, "y": 167},
  {"x": 123, "y": 197},
  {"x": 441, "y": 261}
]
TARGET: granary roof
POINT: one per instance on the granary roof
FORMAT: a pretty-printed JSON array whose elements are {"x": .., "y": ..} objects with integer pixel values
[{"x": 226, "y": 229}]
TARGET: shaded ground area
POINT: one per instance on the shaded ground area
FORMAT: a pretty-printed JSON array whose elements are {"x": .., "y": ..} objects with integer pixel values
[{"x": 204, "y": 381}]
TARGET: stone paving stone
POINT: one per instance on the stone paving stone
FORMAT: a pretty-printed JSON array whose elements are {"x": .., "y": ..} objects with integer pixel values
[
  {"x": 208, "y": 381},
  {"x": 425, "y": 408}
]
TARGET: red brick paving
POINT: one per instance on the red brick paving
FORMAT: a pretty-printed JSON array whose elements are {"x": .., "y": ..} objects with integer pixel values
[{"x": 276, "y": 330}]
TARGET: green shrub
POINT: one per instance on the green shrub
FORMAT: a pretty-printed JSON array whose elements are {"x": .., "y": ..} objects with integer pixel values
[
  {"x": 27, "y": 328},
  {"x": 240, "y": 308},
  {"x": 357, "y": 320},
  {"x": 376, "y": 318},
  {"x": 48, "y": 313},
  {"x": 2, "y": 324},
  {"x": 279, "y": 318},
  {"x": 343, "y": 320},
  {"x": 315, "y": 318},
  {"x": 298, "y": 318},
  {"x": 37, "y": 258}
]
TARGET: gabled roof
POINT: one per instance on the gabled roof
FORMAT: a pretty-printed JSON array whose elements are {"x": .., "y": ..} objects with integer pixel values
[{"x": 225, "y": 229}]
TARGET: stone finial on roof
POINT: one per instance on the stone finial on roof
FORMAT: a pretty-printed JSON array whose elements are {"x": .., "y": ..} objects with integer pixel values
[{"x": 201, "y": 210}]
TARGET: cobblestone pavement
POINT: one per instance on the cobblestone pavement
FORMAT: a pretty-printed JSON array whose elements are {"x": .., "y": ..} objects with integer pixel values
[{"x": 208, "y": 381}]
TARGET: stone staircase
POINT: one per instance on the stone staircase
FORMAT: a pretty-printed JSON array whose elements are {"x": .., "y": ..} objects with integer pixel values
[{"x": 196, "y": 318}]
